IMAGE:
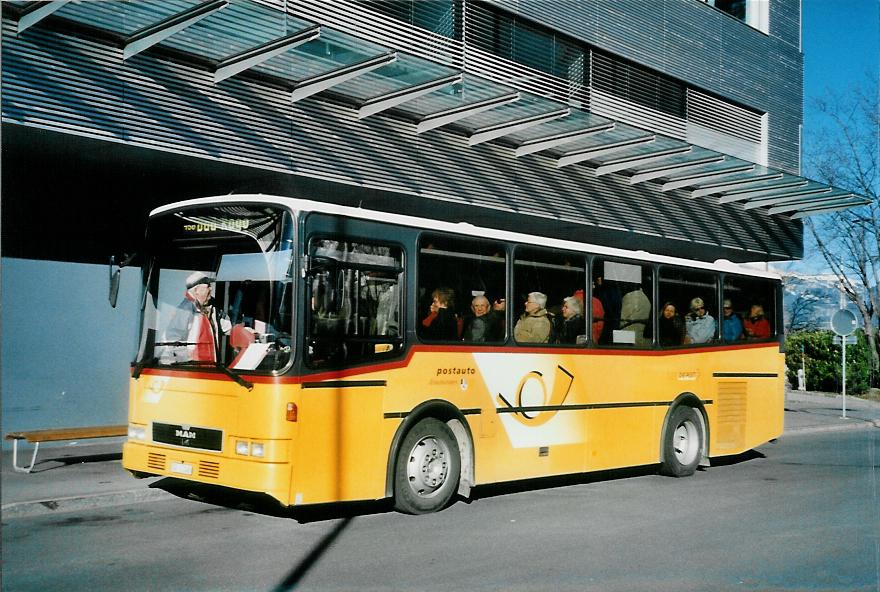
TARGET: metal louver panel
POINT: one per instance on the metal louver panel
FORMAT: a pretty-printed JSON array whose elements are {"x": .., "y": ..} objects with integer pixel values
[
  {"x": 725, "y": 117},
  {"x": 358, "y": 20},
  {"x": 637, "y": 85},
  {"x": 501, "y": 70},
  {"x": 438, "y": 16},
  {"x": 535, "y": 56},
  {"x": 638, "y": 115}
]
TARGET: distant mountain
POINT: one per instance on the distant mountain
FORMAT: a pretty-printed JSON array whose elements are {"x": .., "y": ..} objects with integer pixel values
[{"x": 812, "y": 299}]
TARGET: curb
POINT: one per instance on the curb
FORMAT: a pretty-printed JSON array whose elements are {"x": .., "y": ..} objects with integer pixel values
[
  {"x": 859, "y": 424},
  {"x": 84, "y": 502}
]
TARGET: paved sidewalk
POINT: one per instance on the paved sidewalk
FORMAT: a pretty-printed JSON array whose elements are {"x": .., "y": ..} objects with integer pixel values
[{"x": 90, "y": 475}]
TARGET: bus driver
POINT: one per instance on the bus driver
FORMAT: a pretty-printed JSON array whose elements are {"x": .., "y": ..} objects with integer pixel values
[{"x": 192, "y": 328}]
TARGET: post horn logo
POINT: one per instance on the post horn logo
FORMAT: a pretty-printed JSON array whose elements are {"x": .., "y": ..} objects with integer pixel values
[{"x": 532, "y": 407}]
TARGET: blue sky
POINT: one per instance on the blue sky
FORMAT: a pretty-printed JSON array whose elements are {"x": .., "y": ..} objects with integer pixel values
[{"x": 841, "y": 46}]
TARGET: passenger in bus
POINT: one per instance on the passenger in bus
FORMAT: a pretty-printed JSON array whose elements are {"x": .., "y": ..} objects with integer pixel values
[
  {"x": 193, "y": 326},
  {"x": 598, "y": 314},
  {"x": 756, "y": 326},
  {"x": 672, "y": 331},
  {"x": 570, "y": 324},
  {"x": 609, "y": 296},
  {"x": 635, "y": 314},
  {"x": 499, "y": 316},
  {"x": 441, "y": 324},
  {"x": 534, "y": 326},
  {"x": 699, "y": 324},
  {"x": 731, "y": 324},
  {"x": 483, "y": 325}
]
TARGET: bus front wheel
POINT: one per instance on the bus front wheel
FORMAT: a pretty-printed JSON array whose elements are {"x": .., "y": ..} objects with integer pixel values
[
  {"x": 682, "y": 443},
  {"x": 427, "y": 469}
]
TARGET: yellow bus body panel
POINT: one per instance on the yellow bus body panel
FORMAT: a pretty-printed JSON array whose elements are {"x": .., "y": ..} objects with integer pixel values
[{"x": 531, "y": 413}]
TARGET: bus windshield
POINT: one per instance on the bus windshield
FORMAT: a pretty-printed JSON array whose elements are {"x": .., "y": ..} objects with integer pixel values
[{"x": 219, "y": 289}]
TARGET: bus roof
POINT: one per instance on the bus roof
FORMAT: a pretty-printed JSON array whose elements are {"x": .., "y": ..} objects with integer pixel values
[{"x": 464, "y": 228}]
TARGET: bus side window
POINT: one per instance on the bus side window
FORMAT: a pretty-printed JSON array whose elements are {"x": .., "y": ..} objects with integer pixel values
[
  {"x": 461, "y": 290},
  {"x": 749, "y": 310},
  {"x": 354, "y": 296},
  {"x": 624, "y": 291},
  {"x": 548, "y": 297},
  {"x": 687, "y": 311}
]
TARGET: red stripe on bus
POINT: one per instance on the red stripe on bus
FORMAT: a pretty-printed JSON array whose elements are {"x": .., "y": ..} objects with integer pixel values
[{"x": 402, "y": 363}]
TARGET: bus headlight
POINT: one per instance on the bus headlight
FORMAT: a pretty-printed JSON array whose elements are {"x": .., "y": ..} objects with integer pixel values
[
  {"x": 241, "y": 447},
  {"x": 137, "y": 432},
  {"x": 257, "y": 449}
]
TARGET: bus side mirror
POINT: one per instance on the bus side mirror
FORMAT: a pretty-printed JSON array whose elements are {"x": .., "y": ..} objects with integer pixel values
[
  {"x": 114, "y": 281},
  {"x": 115, "y": 273}
]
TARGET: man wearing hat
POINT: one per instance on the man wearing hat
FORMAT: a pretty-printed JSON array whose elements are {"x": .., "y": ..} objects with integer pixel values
[
  {"x": 699, "y": 324},
  {"x": 193, "y": 325}
]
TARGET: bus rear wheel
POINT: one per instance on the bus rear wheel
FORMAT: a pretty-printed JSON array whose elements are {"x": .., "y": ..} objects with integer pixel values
[
  {"x": 682, "y": 443},
  {"x": 427, "y": 469}
]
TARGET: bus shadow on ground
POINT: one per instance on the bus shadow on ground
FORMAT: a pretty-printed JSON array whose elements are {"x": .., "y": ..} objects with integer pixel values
[
  {"x": 736, "y": 459},
  {"x": 261, "y": 503},
  {"x": 541, "y": 483}
]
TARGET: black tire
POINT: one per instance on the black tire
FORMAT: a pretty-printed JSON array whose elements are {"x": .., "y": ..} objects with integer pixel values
[
  {"x": 683, "y": 443},
  {"x": 427, "y": 468}
]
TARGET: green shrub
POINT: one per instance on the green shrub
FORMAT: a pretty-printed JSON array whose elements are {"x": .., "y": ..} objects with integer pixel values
[{"x": 823, "y": 362}]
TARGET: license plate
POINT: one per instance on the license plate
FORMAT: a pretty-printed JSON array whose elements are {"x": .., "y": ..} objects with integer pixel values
[{"x": 181, "y": 468}]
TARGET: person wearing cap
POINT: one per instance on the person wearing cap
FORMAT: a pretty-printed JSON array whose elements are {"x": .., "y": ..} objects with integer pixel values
[
  {"x": 193, "y": 324},
  {"x": 699, "y": 324},
  {"x": 731, "y": 324}
]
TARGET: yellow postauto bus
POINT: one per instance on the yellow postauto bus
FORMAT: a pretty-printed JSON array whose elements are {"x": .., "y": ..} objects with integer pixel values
[{"x": 320, "y": 353}]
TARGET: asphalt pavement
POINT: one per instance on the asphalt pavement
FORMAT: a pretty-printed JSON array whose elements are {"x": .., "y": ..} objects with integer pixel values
[{"x": 82, "y": 475}]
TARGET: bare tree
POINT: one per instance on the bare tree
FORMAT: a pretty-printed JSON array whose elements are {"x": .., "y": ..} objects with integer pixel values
[
  {"x": 799, "y": 313},
  {"x": 846, "y": 154}
]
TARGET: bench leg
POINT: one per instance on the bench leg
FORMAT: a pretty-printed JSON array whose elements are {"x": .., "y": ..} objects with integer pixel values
[{"x": 15, "y": 458}]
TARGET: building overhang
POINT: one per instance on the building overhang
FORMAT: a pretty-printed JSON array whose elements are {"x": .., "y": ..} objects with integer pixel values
[{"x": 311, "y": 59}]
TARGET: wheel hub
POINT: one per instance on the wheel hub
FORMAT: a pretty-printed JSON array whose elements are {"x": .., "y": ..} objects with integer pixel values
[
  {"x": 428, "y": 466},
  {"x": 685, "y": 442}
]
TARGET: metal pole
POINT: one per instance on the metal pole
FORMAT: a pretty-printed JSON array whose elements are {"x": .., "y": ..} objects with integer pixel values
[{"x": 843, "y": 355}]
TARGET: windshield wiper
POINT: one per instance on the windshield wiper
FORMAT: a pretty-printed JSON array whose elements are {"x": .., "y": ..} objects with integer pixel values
[
  {"x": 238, "y": 379},
  {"x": 203, "y": 363}
]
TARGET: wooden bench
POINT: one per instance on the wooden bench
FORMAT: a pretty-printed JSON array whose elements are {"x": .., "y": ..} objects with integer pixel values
[{"x": 35, "y": 437}]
